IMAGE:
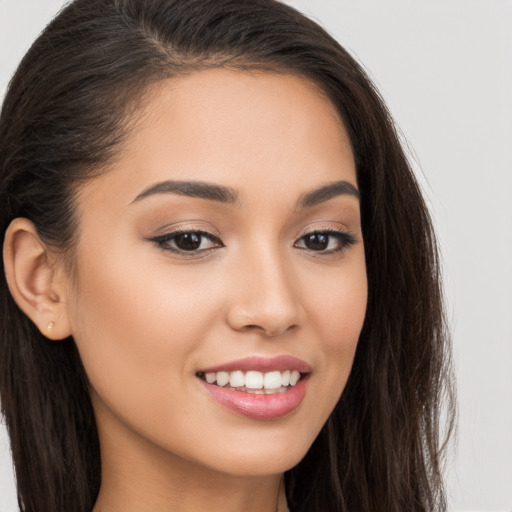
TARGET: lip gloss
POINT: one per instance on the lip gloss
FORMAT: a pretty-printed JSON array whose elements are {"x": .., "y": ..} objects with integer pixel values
[
  {"x": 261, "y": 407},
  {"x": 262, "y": 364}
]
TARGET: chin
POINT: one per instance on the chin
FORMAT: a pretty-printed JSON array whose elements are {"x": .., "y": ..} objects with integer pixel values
[{"x": 260, "y": 457}]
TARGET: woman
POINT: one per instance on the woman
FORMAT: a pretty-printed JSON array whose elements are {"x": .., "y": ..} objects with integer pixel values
[{"x": 222, "y": 288}]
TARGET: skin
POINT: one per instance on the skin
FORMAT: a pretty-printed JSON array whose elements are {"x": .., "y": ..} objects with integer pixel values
[{"x": 146, "y": 319}]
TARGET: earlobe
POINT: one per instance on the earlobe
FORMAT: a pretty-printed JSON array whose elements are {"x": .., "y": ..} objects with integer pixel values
[{"x": 33, "y": 281}]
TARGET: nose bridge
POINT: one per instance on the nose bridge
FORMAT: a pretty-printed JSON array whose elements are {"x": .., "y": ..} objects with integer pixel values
[{"x": 265, "y": 296}]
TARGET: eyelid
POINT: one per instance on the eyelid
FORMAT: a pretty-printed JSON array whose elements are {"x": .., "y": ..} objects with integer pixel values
[
  {"x": 185, "y": 227},
  {"x": 323, "y": 228}
]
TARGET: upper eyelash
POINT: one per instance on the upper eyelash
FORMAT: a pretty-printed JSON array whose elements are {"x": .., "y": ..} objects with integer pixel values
[
  {"x": 160, "y": 239},
  {"x": 347, "y": 239}
]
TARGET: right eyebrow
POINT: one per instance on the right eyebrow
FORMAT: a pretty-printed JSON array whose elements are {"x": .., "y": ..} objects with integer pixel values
[
  {"x": 322, "y": 194},
  {"x": 198, "y": 189}
]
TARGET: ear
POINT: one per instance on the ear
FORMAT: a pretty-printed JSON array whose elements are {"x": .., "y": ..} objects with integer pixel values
[{"x": 35, "y": 279}]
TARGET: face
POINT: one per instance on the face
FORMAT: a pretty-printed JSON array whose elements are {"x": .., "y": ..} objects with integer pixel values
[{"x": 221, "y": 284}]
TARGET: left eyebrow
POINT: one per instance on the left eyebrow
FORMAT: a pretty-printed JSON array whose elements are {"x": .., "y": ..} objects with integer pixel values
[
  {"x": 197, "y": 189},
  {"x": 329, "y": 191}
]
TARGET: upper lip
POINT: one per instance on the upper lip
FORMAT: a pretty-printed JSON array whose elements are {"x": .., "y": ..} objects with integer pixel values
[{"x": 262, "y": 364}]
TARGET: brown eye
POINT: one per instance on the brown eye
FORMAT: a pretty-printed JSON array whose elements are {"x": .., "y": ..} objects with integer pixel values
[
  {"x": 326, "y": 242},
  {"x": 316, "y": 241},
  {"x": 188, "y": 241}
]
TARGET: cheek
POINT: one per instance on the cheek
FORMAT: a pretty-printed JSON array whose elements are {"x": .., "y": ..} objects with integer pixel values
[
  {"x": 343, "y": 316},
  {"x": 338, "y": 307},
  {"x": 135, "y": 326},
  {"x": 336, "y": 311}
]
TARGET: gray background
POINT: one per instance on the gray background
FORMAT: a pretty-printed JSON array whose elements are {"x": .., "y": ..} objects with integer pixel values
[{"x": 445, "y": 69}]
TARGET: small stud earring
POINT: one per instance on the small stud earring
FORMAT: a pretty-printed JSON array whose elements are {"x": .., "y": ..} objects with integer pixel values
[{"x": 51, "y": 325}]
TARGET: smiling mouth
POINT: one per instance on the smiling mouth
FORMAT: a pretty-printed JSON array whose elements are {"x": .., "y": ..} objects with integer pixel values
[{"x": 254, "y": 382}]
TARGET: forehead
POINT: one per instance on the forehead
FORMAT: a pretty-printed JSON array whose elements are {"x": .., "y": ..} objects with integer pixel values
[{"x": 235, "y": 128}]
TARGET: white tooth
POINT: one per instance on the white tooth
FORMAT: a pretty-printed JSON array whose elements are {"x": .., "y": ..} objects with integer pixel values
[
  {"x": 294, "y": 377},
  {"x": 254, "y": 380},
  {"x": 272, "y": 380},
  {"x": 210, "y": 378},
  {"x": 285, "y": 378},
  {"x": 222, "y": 378},
  {"x": 236, "y": 379}
]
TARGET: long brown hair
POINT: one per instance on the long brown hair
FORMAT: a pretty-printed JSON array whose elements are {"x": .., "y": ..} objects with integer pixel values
[{"x": 66, "y": 115}]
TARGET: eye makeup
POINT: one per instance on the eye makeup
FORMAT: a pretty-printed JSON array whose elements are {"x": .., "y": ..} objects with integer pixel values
[
  {"x": 327, "y": 241},
  {"x": 189, "y": 241}
]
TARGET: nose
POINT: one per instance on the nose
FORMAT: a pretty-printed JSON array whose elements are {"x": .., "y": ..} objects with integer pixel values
[{"x": 264, "y": 296}]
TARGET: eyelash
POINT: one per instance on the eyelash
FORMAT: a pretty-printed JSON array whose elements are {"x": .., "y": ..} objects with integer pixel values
[{"x": 164, "y": 241}]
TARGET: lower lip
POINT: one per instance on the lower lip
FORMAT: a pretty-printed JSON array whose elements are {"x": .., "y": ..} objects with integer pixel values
[{"x": 260, "y": 407}]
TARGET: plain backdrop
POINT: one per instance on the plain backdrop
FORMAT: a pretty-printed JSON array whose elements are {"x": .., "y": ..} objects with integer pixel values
[{"x": 444, "y": 68}]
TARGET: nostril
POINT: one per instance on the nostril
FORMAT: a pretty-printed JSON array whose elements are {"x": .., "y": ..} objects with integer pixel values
[{"x": 267, "y": 331}]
